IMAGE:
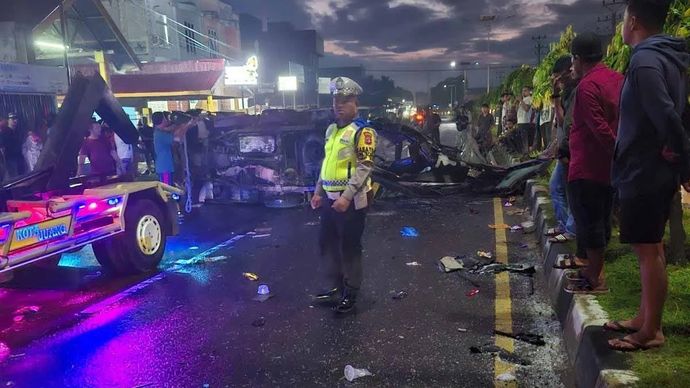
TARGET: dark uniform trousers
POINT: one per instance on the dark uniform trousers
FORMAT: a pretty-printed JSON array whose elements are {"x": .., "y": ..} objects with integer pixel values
[{"x": 340, "y": 240}]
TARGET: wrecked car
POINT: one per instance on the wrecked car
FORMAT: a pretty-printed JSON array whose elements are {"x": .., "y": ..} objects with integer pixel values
[{"x": 275, "y": 161}]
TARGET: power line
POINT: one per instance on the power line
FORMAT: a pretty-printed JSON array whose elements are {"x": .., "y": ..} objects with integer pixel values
[{"x": 539, "y": 46}]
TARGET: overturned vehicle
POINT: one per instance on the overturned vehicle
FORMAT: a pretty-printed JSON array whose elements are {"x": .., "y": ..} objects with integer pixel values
[{"x": 276, "y": 161}]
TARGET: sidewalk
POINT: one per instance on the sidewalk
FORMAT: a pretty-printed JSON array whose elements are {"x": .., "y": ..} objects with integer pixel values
[{"x": 582, "y": 316}]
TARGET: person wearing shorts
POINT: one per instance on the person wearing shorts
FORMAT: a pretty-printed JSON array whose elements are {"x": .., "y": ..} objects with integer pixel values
[{"x": 651, "y": 160}]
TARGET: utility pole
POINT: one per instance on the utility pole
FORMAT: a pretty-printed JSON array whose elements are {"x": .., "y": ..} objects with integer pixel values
[
  {"x": 614, "y": 16},
  {"x": 539, "y": 46}
]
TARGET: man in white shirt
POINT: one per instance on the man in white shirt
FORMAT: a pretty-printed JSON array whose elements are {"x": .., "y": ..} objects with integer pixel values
[
  {"x": 124, "y": 152},
  {"x": 543, "y": 137},
  {"x": 524, "y": 119}
]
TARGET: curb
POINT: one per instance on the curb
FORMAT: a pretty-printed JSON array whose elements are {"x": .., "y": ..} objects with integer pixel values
[{"x": 581, "y": 316}]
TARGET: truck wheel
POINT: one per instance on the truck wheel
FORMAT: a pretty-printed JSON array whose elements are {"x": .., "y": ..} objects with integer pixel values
[{"x": 141, "y": 246}]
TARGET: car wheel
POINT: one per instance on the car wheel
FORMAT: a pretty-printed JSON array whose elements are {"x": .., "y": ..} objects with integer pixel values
[{"x": 141, "y": 246}]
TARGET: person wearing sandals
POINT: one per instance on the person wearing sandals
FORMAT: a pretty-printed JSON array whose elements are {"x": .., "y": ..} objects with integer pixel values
[
  {"x": 651, "y": 159},
  {"x": 564, "y": 86},
  {"x": 592, "y": 138}
]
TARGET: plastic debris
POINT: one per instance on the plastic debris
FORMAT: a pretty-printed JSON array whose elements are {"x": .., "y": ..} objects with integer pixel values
[
  {"x": 506, "y": 377},
  {"x": 499, "y": 226},
  {"x": 516, "y": 228},
  {"x": 194, "y": 248},
  {"x": 259, "y": 322},
  {"x": 263, "y": 293},
  {"x": 532, "y": 339},
  {"x": 484, "y": 254},
  {"x": 263, "y": 230},
  {"x": 408, "y": 231},
  {"x": 473, "y": 292},
  {"x": 250, "y": 276},
  {"x": 352, "y": 373},
  {"x": 462, "y": 330},
  {"x": 261, "y": 235},
  {"x": 312, "y": 223},
  {"x": 524, "y": 246},
  {"x": 400, "y": 295},
  {"x": 413, "y": 264},
  {"x": 507, "y": 204},
  {"x": 449, "y": 264}
]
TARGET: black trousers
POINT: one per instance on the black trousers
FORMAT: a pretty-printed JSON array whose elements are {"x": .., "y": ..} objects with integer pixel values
[{"x": 340, "y": 240}]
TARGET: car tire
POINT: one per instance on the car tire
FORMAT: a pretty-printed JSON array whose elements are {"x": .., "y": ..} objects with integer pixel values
[{"x": 140, "y": 247}]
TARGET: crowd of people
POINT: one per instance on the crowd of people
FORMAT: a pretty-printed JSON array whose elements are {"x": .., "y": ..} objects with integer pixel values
[{"x": 620, "y": 147}]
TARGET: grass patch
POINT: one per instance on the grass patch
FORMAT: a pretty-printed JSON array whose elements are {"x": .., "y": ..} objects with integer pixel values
[{"x": 669, "y": 366}]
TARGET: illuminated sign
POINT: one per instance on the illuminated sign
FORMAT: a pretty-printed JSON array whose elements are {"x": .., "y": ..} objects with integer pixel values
[
  {"x": 287, "y": 84},
  {"x": 324, "y": 85},
  {"x": 243, "y": 75},
  {"x": 33, "y": 234}
]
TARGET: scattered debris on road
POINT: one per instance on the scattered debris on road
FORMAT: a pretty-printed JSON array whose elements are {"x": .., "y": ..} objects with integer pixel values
[
  {"x": 194, "y": 248},
  {"x": 400, "y": 295},
  {"x": 507, "y": 204},
  {"x": 450, "y": 264},
  {"x": 250, "y": 276},
  {"x": 473, "y": 292},
  {"x": 312, "y": 223},
  {"x": 352, "y": 373},
  {"x": 263, "y": 230},
  {"x": 502, "y": 353},
  {"x": 516, "y": 228},
  {"x": 413, "y": 264},
  {"x": 261, "y": 236},
  {"x": 462, "y": 330},
  {"x": 263, "y": 293},
  {"x": 532, "y": 339},
  {"x": 506, "y": 377},
  {"x": 200, "y": 260},
  {"x": 485, "y": 254},
  {"x": 408, "y": 231}
]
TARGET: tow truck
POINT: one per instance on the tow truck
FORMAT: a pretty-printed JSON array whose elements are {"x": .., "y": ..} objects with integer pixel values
[{"x": 49, "y": 211}]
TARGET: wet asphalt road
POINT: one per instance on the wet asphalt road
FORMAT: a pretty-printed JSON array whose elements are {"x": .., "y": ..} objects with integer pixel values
[{"x": 192, "y": 325}]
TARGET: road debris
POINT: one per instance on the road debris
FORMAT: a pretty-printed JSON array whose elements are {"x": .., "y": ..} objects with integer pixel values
[
  {"x": 263, "y": 293},
  {"x": 505, "y": 377},
  {"x": 408, "y": 231},
  {"x": 516, "y": 228},
  {"x": 194, "y": 248},
  {"x": 259, "y": 322},
  {"x": 450, "y": 264},
  {"x": 200, "y": 260},
  {"x": 312, "y": 223},
  {"x": 261, "y": 236},
  {"x": 400, "y": 295},
  {"x": 250, "y": 276},
  {"x": 413, "y": 264},
  {"x": 532, "y": 339},
  {"x": 502, "y": 353},
  {"x": 507, "y": 204},
  {"x": 263, "y": 230},
  {"x": 528, "y": 227},
  {"x": 473, "y": 292},
  {"x": 352, "y": 373},
  {"x": 484, "y": 254},
  {"x": 462, "y": 330}
]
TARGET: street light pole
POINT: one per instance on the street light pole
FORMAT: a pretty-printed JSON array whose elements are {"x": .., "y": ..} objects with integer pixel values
[{"x": 489, "y": 19}]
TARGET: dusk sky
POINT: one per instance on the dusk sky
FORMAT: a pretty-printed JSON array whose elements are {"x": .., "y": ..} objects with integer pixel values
[{"x": 424, "y": 34}]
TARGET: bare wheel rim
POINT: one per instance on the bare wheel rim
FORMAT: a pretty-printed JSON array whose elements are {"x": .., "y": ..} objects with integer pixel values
[{"x": 149, "y": 235}]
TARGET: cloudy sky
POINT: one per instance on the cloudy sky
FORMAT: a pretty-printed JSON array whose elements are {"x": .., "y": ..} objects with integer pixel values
[{"x": 429, "y": 34}]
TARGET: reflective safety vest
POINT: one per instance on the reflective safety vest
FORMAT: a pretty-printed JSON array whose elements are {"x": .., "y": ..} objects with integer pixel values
[{"x": 340, "y": 161}]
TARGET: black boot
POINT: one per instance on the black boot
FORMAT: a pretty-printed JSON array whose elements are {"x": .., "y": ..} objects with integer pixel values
[
  {"x": 347, "y": 304},
  {"x": 331, "y": 296}
]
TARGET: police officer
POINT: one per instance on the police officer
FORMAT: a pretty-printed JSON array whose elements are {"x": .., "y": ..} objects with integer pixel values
[{"x": 344, "y": 192}]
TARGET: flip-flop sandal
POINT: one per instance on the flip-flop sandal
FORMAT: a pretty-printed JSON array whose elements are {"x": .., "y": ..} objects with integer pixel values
[
  {"x": 617, "y": 327},
  {"x": 559, "y": 239},
  {"x": 585, "y": 288},
  {"x": 567, "y": 261},
  {"x": 552, "y": 232},
  {"x": 627, "y": 344},
  {"x": 575, "y": 276}
]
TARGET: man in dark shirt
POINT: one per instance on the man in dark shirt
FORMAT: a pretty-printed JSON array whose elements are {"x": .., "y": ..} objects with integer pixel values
[
  {"x": 592, "y": 137},
  {"x": 484, "y": 137},
  {"x": 12, "y": 141},
  {"x": 146, "y": 136},
  {"x": 651, "y": 158}
]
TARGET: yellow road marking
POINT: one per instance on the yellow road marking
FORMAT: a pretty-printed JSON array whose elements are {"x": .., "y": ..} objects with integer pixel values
[{"x": 504, "y": 317}]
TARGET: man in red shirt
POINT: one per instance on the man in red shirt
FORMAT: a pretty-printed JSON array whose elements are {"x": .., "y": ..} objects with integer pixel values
[{"x": 592, "y": 139}]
